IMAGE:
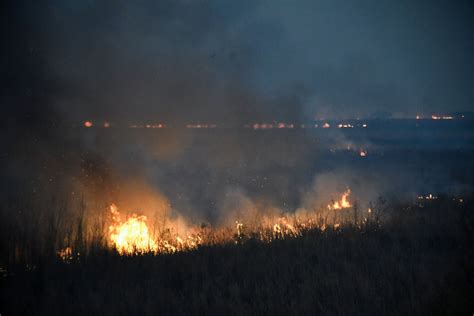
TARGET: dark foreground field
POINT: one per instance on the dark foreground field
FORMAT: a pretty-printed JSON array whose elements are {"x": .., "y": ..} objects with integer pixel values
[{"x": 419, "y": 262}]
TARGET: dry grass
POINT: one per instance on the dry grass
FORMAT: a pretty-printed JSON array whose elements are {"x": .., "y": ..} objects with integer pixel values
[{"x": 419, "y": 261}]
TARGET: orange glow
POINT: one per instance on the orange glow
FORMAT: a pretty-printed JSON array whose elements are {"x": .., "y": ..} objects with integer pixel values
[
  {"x": 342, "y": 203},
  {"x": 131, "y": 236},
  {"x": 135, "y": 234},
  {"x": 88, "y": 124}
]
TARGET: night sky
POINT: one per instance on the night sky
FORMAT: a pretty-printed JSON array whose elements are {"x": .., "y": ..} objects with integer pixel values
[{"x": 235, "y": 61}]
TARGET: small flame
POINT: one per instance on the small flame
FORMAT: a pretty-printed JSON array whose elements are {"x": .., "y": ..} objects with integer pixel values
[
  {"x": 342, "y": 203},
  {"x": 65, "y": 254}
]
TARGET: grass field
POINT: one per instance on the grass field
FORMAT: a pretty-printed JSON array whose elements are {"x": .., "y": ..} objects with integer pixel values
[{"x": 419, "y": 261}]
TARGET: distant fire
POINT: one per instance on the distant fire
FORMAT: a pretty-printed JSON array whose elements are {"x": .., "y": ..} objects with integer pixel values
[
  {"x": 255, "y": 126},
  {"x": 342, "y": 203},
  {"x": 427, "y": 197},
  {"x": 441, "y": 117}
]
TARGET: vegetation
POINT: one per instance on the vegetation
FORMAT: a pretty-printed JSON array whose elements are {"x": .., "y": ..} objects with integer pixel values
[{"x": 417, "y": 260}]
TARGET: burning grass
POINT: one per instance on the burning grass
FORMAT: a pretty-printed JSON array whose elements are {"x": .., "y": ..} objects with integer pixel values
[
  {"x": 419, "y": 261},
  {"x": 132, "y": 234}
]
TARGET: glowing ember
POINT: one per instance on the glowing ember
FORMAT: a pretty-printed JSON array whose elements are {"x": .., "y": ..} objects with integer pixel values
[
  {"x": 65, "y": 254},
  {"x": 342, "y": 203},
  {"x": 427, "y": 197},
  {"x": 131, "y": 236}
]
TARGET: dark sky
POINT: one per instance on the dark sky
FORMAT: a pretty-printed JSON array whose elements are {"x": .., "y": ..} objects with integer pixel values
[{"x": 236, "y": 61}]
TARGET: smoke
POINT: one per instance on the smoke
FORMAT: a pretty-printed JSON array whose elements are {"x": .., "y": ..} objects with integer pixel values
[{"x": 192, "y": 61}]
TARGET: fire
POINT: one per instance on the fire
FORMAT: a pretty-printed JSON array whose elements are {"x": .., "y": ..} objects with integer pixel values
[
  {"x": 65, "y": 254},
  {"x": 342, "y": 203},
  {"x": 131, "y": 236},
  {"x": 441, "y": 117}
]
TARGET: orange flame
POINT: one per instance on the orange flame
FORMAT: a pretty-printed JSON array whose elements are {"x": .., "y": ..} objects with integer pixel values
[
  {"x": 342, "y": 203},
  {"x": 131, "y": 236}
]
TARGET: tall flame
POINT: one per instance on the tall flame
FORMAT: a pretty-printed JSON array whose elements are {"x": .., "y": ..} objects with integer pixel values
[{"x": 342, "y": 203}]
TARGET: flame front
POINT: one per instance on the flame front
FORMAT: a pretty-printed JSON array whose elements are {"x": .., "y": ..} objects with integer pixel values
[
  {"x": 342, "y": 203},
  {"x": 131, "y": 236}
]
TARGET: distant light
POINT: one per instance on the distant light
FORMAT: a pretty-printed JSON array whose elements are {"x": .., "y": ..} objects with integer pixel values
[
  {"x": 106, "y": 124},
  {"x": 326, "y": 125},
  {"x": 443, "y": 117},
  {"x": 88, "y": 124}
]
